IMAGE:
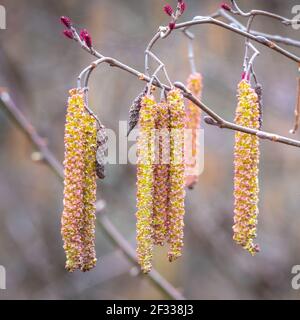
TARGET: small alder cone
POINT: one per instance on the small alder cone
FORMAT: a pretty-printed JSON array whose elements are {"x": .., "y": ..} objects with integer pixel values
[
  {"x": 144, "y": 214},
  {"x": 246, "y": 159},
  {"x": 78, "y": 217},
  {"x": 101, "y": 151},
  {"x": 135, "y": 110},
  {"x": 193, "y": 120},
  {"x": 161, "y": 173},
  {"x": 175, "y": 223}
]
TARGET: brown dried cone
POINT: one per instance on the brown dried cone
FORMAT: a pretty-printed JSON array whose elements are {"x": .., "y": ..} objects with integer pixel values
[
  {"x": 161, "y": 173},
  {"x": 145, "y": 151},
  {"x": 135, "y": 110},
  {"x": 246, "y": 159},
  {"x": 193, "y": 120},
  {"x": 175, "y": 223},
  {"x": 101, "y": 152},
  {"x": 259, "y": 92}
]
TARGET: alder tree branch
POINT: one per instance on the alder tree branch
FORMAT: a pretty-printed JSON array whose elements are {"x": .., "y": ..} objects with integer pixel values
[
  {"x": 235, "y": 23},
  {"x": 112, "y": 233},
  {"x": 217, "y": 120}
]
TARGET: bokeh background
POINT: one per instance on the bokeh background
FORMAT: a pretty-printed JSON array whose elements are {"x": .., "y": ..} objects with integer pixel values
[{"x": 39, "y": 66}]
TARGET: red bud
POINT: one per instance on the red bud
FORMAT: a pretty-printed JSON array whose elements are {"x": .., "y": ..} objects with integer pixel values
[
  {"x": 85, "y": 36},
  {"x": 69, "y": 34},
  {"x": 182, "y": 5},
  {"x": 168, "y": 10},
  {"x": 67, "y": 22},
  {"x": 172, "y": 25},
  {"x": 225, "y": 6},
  {"x": 83, "y": 33}
]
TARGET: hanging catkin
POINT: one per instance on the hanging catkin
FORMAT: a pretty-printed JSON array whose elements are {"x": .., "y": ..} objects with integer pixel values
[
  {"x": 89, "y": 192},
  {"x": 161, "y": 173},
  {"x": 73, "y": 216},
  {"x": 78, "y": 217},
  {"x": 246, "y": 159},
  {"x": 175, "y": 223},
  {"x": 193, "y": 120},
  {"x": 145, "y": 150}
]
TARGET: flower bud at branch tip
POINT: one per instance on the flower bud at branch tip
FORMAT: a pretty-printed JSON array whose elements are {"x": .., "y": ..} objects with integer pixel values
[
  {"x": 85, "y": 36},
  {"x": 225, "y": 6},
  {"x": 69, "y": 34},
  {"x": 182, "y": 6},
  {"x": 168, "y": 10},
  {"x": 67, "y": 22}
]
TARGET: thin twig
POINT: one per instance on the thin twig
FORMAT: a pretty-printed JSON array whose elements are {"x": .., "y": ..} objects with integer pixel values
[
  {"x": 254, "y": 13},
  {"x": 259, "y": 39},
  {"x": 216, "y": 120},
  {"x": 220, "y": 122},
  {"x": 235, "y": 23},
  {"x": 117, "y": 239},
  {"x": 297, "y": 109}
]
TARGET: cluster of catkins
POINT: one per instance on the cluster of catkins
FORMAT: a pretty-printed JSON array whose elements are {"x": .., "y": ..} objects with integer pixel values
[
  {"x": 80, "y": 173},
  {"x": 160, "y": 177}
]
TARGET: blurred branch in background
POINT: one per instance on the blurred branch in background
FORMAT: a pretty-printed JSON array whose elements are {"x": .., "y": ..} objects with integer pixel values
[{"x": 46, "y": 155}]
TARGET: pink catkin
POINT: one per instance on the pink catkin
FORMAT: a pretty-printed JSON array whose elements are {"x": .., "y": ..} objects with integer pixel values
[{"x": 193, "y": 120}]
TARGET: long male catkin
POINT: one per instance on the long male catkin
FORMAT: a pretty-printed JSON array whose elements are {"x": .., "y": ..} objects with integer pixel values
[
  {"x": 161, "y": 173},
  {"x": 144, "y": 214},
  {"x": 176, "y": 212},
  {"x": 89, "y": 192},
  {"x": 246, "y": 159},
  {"x": 73, "y": 216},
  {"x": 193, "y": 120},
  {"x": 78, "y": 217}
]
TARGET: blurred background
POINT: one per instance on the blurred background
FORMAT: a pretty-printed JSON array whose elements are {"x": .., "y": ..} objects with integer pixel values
[{"x": 39, "y": 65}]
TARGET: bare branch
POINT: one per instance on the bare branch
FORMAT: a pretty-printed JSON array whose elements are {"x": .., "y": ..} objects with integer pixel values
[
  {"x": 222, "y": 123},
  {"x": 235, "y": 23},
  {"x": 259, "y": 39},
  {"x": 254, "y": 13}
]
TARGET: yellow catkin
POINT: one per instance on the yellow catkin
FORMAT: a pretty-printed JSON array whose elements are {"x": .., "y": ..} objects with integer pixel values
[
  {"x": 145, "y": 148},
  {"x": 246, "y": 159},
  {"x": 72, "y": 216},
  {"x": 176, "y": 212},
  {"x": 193, "y": 119},
  {"x": 78, "y": 218},
  {"x": 89, "y": 192},
  {"x": 161, "y": 173}
]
